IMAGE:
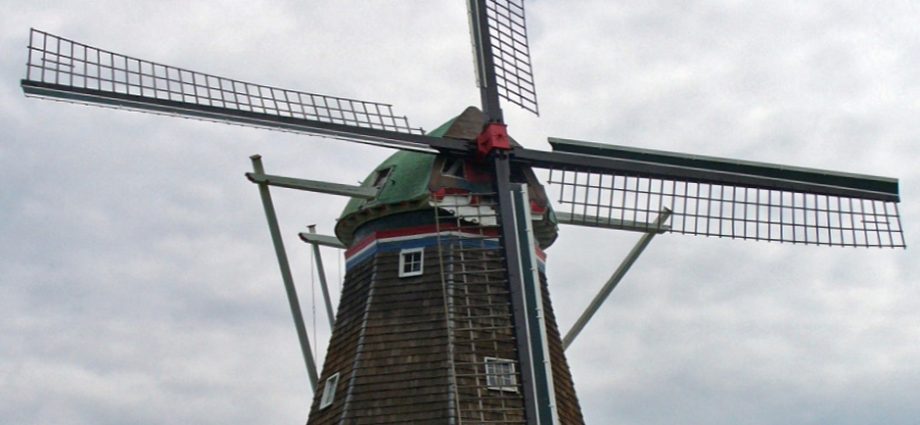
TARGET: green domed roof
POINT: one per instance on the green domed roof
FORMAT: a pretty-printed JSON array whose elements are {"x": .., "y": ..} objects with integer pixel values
[
  {"x": 404, "y": 187},
  {"x": 405, "y": 182},
  {"x": 404, "y": 177}
]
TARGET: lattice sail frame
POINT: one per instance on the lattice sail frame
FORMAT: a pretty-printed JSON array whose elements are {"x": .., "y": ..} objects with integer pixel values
[
  {"x": 511, "y": 53},
  {"x": 59, "y": 61},
  {"x": 85, "y": 73},
  {"x": 738, "y": 212}
]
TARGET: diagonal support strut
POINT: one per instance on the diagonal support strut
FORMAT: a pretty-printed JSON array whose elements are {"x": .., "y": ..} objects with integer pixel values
[
  {"x": 286, "y": 273},
  {"x": 321, "y": 271},
  {"x": 613, "y": 281}
]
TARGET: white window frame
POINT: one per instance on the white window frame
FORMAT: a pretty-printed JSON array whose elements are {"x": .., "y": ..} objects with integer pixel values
[
  {"x": 505, "y": 382},
  {"x": 329, "y": 391},
  {"x": 402, "y": 262}
]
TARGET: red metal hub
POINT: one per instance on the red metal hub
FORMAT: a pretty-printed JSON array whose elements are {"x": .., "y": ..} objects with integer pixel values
[{"x": 493, "y": 136}]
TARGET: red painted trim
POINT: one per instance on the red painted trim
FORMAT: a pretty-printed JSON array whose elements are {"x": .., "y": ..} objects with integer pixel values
[
  {"x": 407, "y": 231},
  {"x": 444, "y": 191},
  {"x": 536, "y": 208},
  {"x": 419, "y": 230}
]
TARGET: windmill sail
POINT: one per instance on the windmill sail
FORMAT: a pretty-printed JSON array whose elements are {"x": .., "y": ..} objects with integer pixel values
[
  {"x": 67, "y": 70},
  {"x": 499, "y": 30},
  {"x": 511, "y": 53},
  {"x": 600, "y": 185}
]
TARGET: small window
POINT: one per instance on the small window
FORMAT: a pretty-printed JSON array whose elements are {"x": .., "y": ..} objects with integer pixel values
[
  {"x": 500, "y": 374},
  {"x": 329, "y": 391},
  {"x": 410, "y": 262},
  {"x": 381, "y": 178},
  {"x": 452, "y": 167}
]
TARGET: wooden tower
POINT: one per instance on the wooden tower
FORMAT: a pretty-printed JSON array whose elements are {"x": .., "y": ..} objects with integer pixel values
[{"x": 424, "y": 331}]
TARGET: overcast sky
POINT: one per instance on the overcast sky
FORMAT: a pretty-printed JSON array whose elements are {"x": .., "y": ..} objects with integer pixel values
[{"x": 138, "y": 282}]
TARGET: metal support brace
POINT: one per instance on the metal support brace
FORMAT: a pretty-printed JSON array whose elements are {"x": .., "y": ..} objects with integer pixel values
[
  {"x": 533, "y": 293},
  {"x": 286, "y": 273},
  {"x": 322, "y": 277},
  {"x": 322, "y": 240},
  {"x": 613, "y": 281},
  {"x": 313, "y": 186},
  {"x": 608, "y": 223},
  {"x": 510, "y": 244}
]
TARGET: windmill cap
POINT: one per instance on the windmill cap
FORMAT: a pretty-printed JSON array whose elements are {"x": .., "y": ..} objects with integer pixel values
[{"x": 406, "y": 181}]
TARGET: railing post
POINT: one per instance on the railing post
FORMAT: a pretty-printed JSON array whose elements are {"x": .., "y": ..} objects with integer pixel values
[{"x": 322, "y": 277}]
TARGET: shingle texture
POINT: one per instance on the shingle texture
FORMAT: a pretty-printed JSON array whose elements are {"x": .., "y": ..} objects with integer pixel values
[{"x": 412, "y": 350}]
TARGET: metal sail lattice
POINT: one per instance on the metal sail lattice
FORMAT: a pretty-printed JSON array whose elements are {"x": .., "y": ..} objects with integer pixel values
[
  {"x": 59, "y": 62},
  {"x": 724, "y": 210},
  {"x": 511, "y": 53}
]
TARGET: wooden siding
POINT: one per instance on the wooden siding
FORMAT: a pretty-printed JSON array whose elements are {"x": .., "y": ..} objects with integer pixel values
[
  {"x": 343, "y": 345},
  {"x": 566, "y": 399},
  {"x": 412, "y": 350}
]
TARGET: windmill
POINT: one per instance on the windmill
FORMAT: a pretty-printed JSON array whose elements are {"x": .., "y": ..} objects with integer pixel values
[{"x": 601, "y": 186}]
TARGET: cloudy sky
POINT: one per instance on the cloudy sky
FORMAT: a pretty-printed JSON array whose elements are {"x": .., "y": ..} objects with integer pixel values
[{"x": 138, "y": 282}]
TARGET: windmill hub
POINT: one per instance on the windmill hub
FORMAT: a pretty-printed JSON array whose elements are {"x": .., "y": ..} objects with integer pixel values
[{"x": 493, "y": 137}]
